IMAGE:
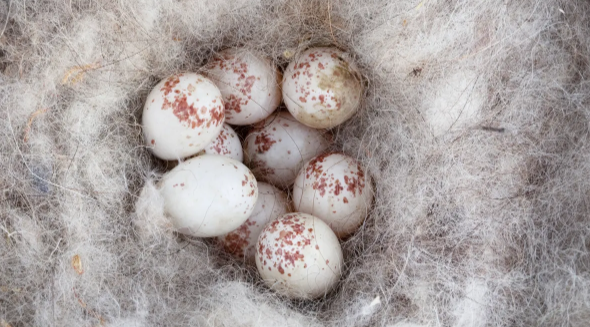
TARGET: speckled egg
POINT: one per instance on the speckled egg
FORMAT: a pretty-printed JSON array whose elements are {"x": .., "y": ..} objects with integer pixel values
[
  {"x": 335, "y": 188},
  {"x": 249, "y": 83},
  {"x": 227, "y": 143},
  {"x": 277, "y": 148},
  {"x": 182, "y": 115},
  {"x": 272, "y": 203},
  {"x": 208, "y": 195},
  {"x": 299, "y": 256},
  {"x": 322, "y": 87}
]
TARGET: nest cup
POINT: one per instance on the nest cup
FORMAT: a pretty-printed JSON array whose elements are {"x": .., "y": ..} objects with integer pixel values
[{"x": 473, "y": 126}]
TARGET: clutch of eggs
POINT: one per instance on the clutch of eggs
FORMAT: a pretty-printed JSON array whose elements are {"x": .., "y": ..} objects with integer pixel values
[{"x": 212, "y": 194}]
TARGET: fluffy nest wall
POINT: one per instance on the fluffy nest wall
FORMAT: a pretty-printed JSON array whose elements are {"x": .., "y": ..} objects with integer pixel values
[{"x": 475, "y": 127}]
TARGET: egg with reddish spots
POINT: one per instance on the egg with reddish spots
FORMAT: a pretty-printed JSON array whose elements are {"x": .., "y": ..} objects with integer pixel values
[
  {"x": 208, "y": 195},
  {"x": 227, "y": 143},
  {"x": 335, "y": 188},
  {"x": 299, "y": 256},
  {"x": 272, "y": 203},
  {"x": 276, "y": 149},
  {"x": 249, "y": 84},
  {"x": 322, "y": 87},
  {"x": 182, "y": 115}
]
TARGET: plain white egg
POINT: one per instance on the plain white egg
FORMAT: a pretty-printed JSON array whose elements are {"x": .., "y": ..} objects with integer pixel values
[
  {"x": 208, "y": 195},
  {"x": 272, "y": 203},
  {"x": 322, "y": 87},
  {"x": 227, "y": 143},
  {"x": 249, "y": 83},
  {"x": 299, "y": 256},
  {"x": 335, "y": 188},
  {"x": 277, "y": 148},
  {"x": 182, "y": 115}
]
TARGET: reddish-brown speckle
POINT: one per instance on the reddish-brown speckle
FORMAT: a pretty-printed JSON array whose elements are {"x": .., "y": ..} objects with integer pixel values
[
  {"x": 153, "y": 142},
  {"x": 189, "y": 114},
  {"x": 217, "y": 116},
  {"x": 345, "y": 200},
  {"x": 289, "y": 238},
  {"x": 355, "y": 182},
  {"x": 320, "y": 66},
  {"x": 264, "y": 142},
  {"x": 314, "y": 167},
  {"x": 337, "y": 187},
  {"x": 219, "y": 145},
  {"x": 236, "y": 242},
  {"x": 233, "y": 104},
  {"x": 170, "y": 83},
  {"x": 260, "y": 168},
  {"x": 184, "y": 112},
  {"x": 248, "y": 83},
  {"x": 320, "y": 185}
]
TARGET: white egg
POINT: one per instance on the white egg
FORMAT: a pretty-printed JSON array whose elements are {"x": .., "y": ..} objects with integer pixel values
[
  {"x": 208, "y": 195},
  {"x": 335, "y": 188},
  {"x": 272, "y": 203},
  {"x": 182, "y": 115},
  {"x": 250, "y": 85},
  {"x": 277, "y": 148},
  {"x": 227, "y": 143},
  {"x": 322, "y": 87},
  {"x": 299, "y": 256}
]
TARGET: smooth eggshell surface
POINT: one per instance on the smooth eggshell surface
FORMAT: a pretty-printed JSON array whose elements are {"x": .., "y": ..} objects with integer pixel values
[
  {"x": 334, "y": 188},
  {"x": 182, "y": 115},
  {"x": 249, "y": 84},
  {"x": 299, "y": 256},
  {"x": 322, "y": 87},
  {"x": 272, "y": 203},
  {"x": 209, "y": 195},
  {"x": 227, "y": 143},
  {"x": 277, "y": 148}
]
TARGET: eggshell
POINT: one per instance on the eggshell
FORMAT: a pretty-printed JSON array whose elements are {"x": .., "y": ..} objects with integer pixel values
[
  {"x": 249, "y": 84},
  {"x": 335, "y": 188},
  {"x": 277, "y": 148},
  {"x": 182, "y": 115},
  {"x": 299, "y": 256},
  {"x": 322, "y": 87},
  {"x": 272, "y": 203},
  {"x": 227, "y": 143},
  {"x": 208, "y": 195}
]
